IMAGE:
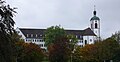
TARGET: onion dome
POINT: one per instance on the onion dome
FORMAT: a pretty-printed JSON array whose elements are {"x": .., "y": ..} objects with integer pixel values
[{"x": 94, "y": 17}]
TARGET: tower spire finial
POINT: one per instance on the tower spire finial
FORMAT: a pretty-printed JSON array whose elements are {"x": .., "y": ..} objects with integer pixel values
[{"x": 94, "y": 10}]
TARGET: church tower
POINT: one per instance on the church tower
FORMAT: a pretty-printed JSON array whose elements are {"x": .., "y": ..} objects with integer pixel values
[{"x": 95, "y": 25}]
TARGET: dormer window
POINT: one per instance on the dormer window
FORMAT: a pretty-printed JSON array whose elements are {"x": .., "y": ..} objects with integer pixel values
[
  {"x": 81, "y": 36},
  {"x": 31, "y": 35},
  {"x": 27, "y": 35},
  {"x": 40, "y": 35},
  {"x": 36, "y": 35}
]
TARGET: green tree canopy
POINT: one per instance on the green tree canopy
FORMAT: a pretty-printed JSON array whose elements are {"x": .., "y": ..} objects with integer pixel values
[
  {"x": 6, "y": 18},
  {"x": 52, "y": 33},
  {"x": 105, "y": 50},
  {"x": 58, "y": 43},
  {"x": 7, "y": 45},
  {"x": 116, "y": 36}
]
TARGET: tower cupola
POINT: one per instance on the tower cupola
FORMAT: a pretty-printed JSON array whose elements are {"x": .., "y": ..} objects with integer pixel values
[
  {"x": 95, "y": 24},
  {"x": 94, "y": 16}
]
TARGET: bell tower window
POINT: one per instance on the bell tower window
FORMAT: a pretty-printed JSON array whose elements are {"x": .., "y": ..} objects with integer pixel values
[{"x": 96, "y": 25}]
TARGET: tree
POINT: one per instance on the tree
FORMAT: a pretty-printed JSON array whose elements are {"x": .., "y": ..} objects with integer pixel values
[
  {"x": 89, "y": 53},
  {"x": 6, "y": 21},
  {"x": 108, "y": 49},
  {"x": 105, "y": 50},
  {"x": 7, "y": 45},
  {"x": 7, "y": 48},
  {"x": 52, "y": 33},
  {"x": 72, "y": 42},
  {"x": 29, "y": 52},
  {"x": 117, "y": 55},
  {"x": 57, "y": 43},
  {"x": 77, "y": 55},
  {"x": 72, "y": 45},
  {"x": 116, "y": 36},
  {"x": 60, "y": 51}
]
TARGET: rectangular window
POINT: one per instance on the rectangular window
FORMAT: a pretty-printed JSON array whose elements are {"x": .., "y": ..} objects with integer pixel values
[
  {"x": 29, "y": 40},
  {"x": 79, "y": 36},
  {"x": 41, "y": 40},
  {"x": 38, "y": 40},
  {"x": 76, "y": 36},
  {"x": 35, "y": 40},
  {"x": 81, "y": 41},
  {"x": 41, "y": 45}
]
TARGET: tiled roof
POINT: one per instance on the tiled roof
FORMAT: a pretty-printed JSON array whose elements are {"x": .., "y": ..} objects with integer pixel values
[
  {"x": 89, "y": 32},
  {"x": 40, "y": 32},
  {"x": 74, "y": 32}
]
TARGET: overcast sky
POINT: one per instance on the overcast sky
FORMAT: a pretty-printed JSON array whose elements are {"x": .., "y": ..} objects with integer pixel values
[{"x": 70, "y": 14}]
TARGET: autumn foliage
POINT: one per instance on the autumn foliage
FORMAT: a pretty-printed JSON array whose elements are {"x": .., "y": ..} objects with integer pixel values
[
  {"x": 29, "y": 52},
  {"x": 105, "y": 50},
  {"x": 59, "y": 51}
]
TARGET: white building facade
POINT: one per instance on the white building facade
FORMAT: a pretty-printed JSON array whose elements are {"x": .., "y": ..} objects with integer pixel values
[
  {"x": 86, "y": 36},
  {"x": 36, "y": 36}
]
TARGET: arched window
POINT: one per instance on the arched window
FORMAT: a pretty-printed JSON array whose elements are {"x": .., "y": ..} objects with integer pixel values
[
  {"x": 85, "y": 42},
  {"x": 96, "y": 25}
]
